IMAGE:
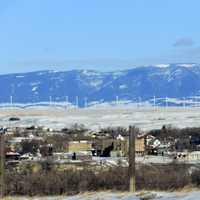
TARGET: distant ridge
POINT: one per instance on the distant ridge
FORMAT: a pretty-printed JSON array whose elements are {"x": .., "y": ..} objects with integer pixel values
[{"x": 165, "y": 80}]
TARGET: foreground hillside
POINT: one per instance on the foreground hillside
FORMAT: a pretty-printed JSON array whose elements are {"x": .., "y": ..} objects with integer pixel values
[
  {"x": 173, "y": 80},
  {"x": 123, "y": 196}
]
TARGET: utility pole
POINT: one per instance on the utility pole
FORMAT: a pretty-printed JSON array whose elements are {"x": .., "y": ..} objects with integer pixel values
[
  {"x": 132, "y": 159},
  {"x": 2, "y": 163}
]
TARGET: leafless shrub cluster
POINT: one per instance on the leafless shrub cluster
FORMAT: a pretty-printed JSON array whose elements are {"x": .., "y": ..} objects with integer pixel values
[{"x": 48, "y": 181}]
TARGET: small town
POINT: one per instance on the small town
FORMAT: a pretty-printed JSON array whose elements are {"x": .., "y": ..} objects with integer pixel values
[{"x": 77, "y": 145}]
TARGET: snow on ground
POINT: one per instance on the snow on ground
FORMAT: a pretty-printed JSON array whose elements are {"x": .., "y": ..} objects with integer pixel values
[
  {"x": 145, "y": 118},
  {"x": 122, "y": 196},
  {"x": 112, "y": 161}
]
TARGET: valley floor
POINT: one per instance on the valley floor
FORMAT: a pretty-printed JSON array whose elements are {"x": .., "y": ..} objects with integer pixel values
[{"x": 146, "y": 118}]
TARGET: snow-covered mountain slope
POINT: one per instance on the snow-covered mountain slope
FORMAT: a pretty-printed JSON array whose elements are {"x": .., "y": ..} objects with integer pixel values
[{"x": 171, "y": 80}]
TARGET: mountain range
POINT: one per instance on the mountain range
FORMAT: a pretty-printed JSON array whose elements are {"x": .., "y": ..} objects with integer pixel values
[{"x": 164, "y": 80}]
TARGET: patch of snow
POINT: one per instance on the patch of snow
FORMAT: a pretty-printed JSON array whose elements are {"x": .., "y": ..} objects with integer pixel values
[
  {"x": 123, "y": 87},
  {"x": 123, "y": 196},
  {"x": 53, "y": 71},
  {"x": 20, "y": 76},
  {"x": 96, "y": 83},
  {"x": 90, "y": 73},
  {"x": 41, "y": 73},
  {"x": 175, "y": 75},
  {"x": 187, "y": 65},
  {"x": 35, "y": 83},
  {"x": 118, "y": 74},
  {"x": 34, "y": 88},
  {"x": 162, "y": 65}
]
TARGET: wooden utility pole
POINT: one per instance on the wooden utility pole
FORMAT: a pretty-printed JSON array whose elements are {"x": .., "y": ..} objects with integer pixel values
[
  {"x": 132, "y": 159},
  {"x": 2, "y": 165}
]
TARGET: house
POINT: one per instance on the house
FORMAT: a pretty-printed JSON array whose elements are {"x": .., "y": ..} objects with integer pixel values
[
  {"x": 119, "y": 147},
  {"x": 162, "y": 149},
  {"x": 18, "y": 140},
  {"x": 152, "y": 141},
  {"x": 140, "y": 146},
  {"x": 77, "y": 146},
  {"x": 155, "y": 147}
]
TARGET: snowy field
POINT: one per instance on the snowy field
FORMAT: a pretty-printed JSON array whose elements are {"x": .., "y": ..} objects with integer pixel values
[
  {"x": 123, "y": 196},
  {"x": 145, "y": 118}
]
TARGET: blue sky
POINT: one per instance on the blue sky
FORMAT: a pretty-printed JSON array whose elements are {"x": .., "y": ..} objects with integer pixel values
[{"x": 97, "y": 34}]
